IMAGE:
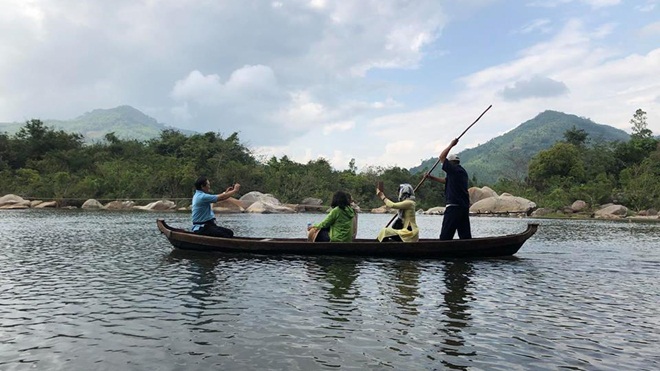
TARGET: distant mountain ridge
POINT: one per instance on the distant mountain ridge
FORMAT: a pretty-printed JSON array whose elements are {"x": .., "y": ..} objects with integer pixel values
[
  {"x": 125, "y": 121},
  {"x": 506, "y": 155},
  {"x": 509, "y": 154}
]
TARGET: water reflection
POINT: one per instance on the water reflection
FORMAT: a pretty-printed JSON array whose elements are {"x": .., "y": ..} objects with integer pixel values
[
  {"x": 341, "y": 275},
  {"x": 202, "y": 269},
  {"x": 407, "y": 283},
  {"x": 202, "y": 285},
  {"x": 457, "y": 297},
  {"x": 337, "y": 276}
]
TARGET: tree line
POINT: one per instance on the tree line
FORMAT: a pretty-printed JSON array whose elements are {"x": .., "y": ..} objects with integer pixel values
[
  {"x": 41, "y": 162},
  {"x": 626, "y": 173}
]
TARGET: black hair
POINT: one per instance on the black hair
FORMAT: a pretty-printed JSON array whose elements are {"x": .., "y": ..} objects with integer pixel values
[
  {"x": 341, "y": 199},
  {"x": 200, "y": 182},
  {"x": 350, "y": 198}
]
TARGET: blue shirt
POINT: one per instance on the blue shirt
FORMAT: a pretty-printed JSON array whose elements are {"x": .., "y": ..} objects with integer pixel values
[
  {"x": 456, "y": 185},
  {"x": 201, "y": 208}
]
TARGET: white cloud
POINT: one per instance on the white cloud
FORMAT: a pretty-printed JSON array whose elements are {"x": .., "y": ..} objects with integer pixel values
[
  {"x": 302, "y": 111},
  {"x": 372, "y": 80},
  {"x": 248, "y": 82},
  {"x": 648, "y": 7},
  {"x": 592, "y": 3},
  {"x": 602, "y": 3},
  {"x": 537, "y": 25},
  {"x": 257, "y": 79},
  {"x": 378, "y": 34},
  {"x": 534, "y": 87},
  {"x": 399, "y": 147},
  {"x": 338, "y": 127},
  {"x": 651, "y": 30},
  {"x": 569, "y": 49},
  {"x": 197, "y": 87},
  {"x": 606, "y": 86}
]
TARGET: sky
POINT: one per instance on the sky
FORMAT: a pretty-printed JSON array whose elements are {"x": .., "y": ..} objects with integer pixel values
[{"x": 387, "y": 83}]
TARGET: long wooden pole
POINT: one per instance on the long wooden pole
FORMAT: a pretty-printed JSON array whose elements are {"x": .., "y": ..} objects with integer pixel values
[
  {"x": 475, "y": 121},
  {"x": 437, "y": 162}
]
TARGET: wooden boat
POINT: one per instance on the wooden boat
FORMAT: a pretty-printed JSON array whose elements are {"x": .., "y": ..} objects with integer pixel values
[{"x": 499, "y": 246}]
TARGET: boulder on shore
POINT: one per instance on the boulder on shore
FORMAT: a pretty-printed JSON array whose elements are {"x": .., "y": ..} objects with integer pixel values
[
  {"x": 578, "y": 206},
  {"x": 160, "y": 205},
  {"x": 119, "y": 205},
  {"x": 380, "y": 210},
  {"x": 230, "y": 205},
  {"x": 260, "y": 203},
  {"x": 311, "y": 204},
  {"x": 11, "y": 201},
  {"x": 251, "y": 197},
  {"x": 260, "y": 207},
  {"x": 92, "y": 204},
  {"x": 438, "y": 210},
  {"x": 311, "y": 201},
  {"x": 503, "y": 204},
  {"x": 540, "y": 212},
  {"x": 477, "y": 194},
  {"x": 43, "y": 205},
  {"x": 611, "y": 212}
]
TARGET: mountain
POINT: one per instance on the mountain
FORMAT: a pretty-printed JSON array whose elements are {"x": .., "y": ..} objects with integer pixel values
[
  {"x": 509, "y": 154},
  {"x": 125, "y": 121}
]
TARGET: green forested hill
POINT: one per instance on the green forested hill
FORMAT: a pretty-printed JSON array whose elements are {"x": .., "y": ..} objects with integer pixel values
[
  {"x": 508, "y": 155},
  {"x": 503, "y": 156},
  {"x": 125, "y": 121}
]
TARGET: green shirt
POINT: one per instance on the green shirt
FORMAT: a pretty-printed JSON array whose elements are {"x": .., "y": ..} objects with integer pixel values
[{"x": 340, "y": 222}]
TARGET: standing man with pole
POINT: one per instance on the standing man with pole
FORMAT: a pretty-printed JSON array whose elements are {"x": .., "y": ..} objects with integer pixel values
[{"x": 457, "y": 210}]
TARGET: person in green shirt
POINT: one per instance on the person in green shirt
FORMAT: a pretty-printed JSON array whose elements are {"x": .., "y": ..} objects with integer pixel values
[{"x": 338, "y": 224}]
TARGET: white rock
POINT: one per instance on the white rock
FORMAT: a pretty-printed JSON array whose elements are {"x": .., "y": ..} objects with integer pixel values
[
  {"x": 11, "y": 201},
  {"x": 504, "y": 203},
  {"x": 611, "y": 212},
  {"x": 92, "y": 204},
  {"x": 260, "y": 207}
]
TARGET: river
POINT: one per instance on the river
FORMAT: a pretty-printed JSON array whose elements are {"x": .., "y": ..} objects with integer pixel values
[{"x": 103, "y": 290}]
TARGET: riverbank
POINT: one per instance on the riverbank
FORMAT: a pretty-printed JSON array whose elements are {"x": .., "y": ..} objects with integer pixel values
[{"x": 484, "y": 203}]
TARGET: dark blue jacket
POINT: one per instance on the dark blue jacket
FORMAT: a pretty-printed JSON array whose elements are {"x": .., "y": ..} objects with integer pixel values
[{"x": 456, "y": 184}]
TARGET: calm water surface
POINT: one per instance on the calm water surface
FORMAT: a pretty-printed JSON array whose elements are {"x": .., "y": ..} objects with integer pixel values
[{"x": 84, "y": 290}]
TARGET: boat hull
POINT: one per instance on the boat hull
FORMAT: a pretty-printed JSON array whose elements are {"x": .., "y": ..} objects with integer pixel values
[{"x": 499, "y": 246}]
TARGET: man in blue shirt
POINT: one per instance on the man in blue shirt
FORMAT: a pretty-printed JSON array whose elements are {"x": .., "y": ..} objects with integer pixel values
[
  {"x": 203, "y": 218},
  {"x": 457, "y": 210}
]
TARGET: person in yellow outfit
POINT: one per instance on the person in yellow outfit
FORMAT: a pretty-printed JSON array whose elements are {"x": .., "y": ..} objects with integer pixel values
[{"x": 405, "y": 227}]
